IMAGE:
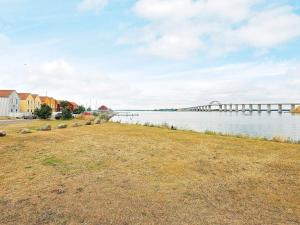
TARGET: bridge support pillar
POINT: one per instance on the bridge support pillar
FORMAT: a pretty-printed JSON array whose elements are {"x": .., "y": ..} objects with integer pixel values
[
  {"x": 230, "y": 107},
  {"x": 251, "y": 108},
  {"x": 269, "y": 108},
  {"x": 220, "y": 108},
  {"x": 209, "y": 108},
  {"x": 259, "y": 108},
  {"x": 236, "y": 108},
  {"x": 280, "y": 108},
  {"x": 225, "y": 108},
  {"x": 243, "y": 108}
]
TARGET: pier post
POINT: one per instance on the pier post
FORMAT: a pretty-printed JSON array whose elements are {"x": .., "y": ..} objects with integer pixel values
[
  {"x": 230, "y": 107},
  {"x": 293, "y": 107},
  {"x": 250, "y": 107},
  {"x": 225, "y": 108},
  {"x": 220, "y": 108},
  {"x": 236, "y": 107},
  {"x": 259, "y": 107},
  {"x": 280, "y": 108},
  {"x": 243, "y": 108},
  {"x": 269, "y": 108},
  {"x": 209, "y": 108}
]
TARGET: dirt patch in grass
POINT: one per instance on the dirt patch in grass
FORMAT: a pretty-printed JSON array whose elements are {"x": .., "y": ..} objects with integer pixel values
[{"x": 126, "y": 174}]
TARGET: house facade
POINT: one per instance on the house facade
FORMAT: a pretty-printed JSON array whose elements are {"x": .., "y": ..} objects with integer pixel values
[
  {"x": 50, "y": 102},
  {"x": 37, "y": 101},
  {"x": 9, "y": 102},
  {"x": 26, "y": 103}
]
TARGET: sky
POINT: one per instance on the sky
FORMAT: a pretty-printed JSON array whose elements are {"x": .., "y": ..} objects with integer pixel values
[{"x": 149, "y": 54}]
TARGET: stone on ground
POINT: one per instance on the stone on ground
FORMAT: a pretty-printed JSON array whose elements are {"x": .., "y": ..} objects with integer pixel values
[
  {"x": 25, "y": 131},
  {"x": 2, "y": 133},
  {"x": 62, "y": 126},
  {"x": 45, "y": 128}
]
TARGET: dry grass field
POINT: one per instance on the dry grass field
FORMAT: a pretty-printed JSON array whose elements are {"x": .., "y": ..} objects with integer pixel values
[{"x": 127, "y": 174}]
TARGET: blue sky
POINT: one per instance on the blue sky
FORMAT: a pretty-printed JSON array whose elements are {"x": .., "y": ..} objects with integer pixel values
[{"x": 152, "y": 53}]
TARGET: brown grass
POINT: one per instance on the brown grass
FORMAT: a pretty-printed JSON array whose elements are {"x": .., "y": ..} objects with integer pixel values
[{"x": 126, "y": 174}]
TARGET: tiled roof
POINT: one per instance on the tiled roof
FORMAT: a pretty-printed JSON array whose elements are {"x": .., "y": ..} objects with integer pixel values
[
  {"x": 23, "y": 96},
  {"x": 6, "y": 93}
]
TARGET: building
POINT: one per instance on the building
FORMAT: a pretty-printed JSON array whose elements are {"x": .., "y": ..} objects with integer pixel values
[
  {"x": 104, "y": 108},
  {"x": 72, "y": 106},
  {"x": 53, "y": 104},
  {"x": 37, "y": 101},
  {"x": 50, "y": 102},
  {"x": 26, "y": 103},
  {"x": 9, "y": 102}
]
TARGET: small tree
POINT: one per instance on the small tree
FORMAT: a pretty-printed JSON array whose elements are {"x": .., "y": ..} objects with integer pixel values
[
  {"x": 89, "y": 109},
  {"x": 66, "y": 114},
  {"x": 64, "y": 104},
  {"x": 79, "y": 110},
  {"x": 44, "y": 112}
]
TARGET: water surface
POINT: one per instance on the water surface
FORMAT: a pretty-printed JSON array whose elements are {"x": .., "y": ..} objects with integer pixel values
[{"x": 253, "y": 124}]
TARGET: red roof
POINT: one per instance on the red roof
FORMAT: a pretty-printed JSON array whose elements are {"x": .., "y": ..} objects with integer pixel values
[
  {"x": 23, "y": 96},
  {"x": 103, "y": 108},
  {"x": 6, "y": 93},
  {"x": 74, "y": 105},
  {"x": 34, "y": 95}
]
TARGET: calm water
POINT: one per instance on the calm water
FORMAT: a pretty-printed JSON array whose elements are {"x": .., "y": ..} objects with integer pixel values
[{"x": 256, "y": 124}]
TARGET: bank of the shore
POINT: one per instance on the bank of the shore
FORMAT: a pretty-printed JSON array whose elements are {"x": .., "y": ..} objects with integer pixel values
[{"x": 128, "y": 174}]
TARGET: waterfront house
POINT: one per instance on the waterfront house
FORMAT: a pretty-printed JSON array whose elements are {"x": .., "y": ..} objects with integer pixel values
[
  {"x": 45, "y": 100},
  {"x": 73, "y": 106},
  {"x": 37, "y": 101},
  {"x": 9, "y": 102},
  {"x": 53, "y": 104},
  {"x": 26, "y": 103},
  {"x": 50, "y": 102},
  {"x": 104, "y": 108}
]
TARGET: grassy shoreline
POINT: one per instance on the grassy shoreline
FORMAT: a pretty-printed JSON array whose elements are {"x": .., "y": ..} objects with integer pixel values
[{"x": 119, "y": 174}]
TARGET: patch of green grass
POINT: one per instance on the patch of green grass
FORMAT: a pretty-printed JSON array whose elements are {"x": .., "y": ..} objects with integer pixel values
[{"x": 52, "y": 161}]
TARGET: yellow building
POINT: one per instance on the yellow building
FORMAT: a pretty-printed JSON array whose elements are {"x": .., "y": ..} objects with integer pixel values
[
  {"x": 26, "y": 102},
  {"x": 37, "y": 101},
  {"x": 49, "y": 101},
  {"x": 53, "y": 104}
]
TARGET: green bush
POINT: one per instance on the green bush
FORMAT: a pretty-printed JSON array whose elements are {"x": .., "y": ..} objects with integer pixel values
[
  {"x": 44, "y": 112},
  {"x": 104, "y": 116},
  {"x": 66, "y": 114},
  {"x": 79, "y": 110}
]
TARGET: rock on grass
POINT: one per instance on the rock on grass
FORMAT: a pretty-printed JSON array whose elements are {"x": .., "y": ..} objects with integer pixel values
[
  {"x": 62, "y": 126},
  {"x": 45, "y": 128},
  {"x": 25, "y": 131},
  {"x": 88, "y": 123},
  {"x": 76, "y": 125},
  {"x": 2, "y": 133}
]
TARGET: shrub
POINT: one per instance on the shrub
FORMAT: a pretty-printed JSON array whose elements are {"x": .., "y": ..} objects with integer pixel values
[
  {"x": 44, "y": 112},
  {"x": 79, "y": 110},
  {"x": 104, "y": 116},
  {"x": 66, "y": 114}
]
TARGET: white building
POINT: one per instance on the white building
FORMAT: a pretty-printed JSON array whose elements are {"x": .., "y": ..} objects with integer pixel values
[{"x": 9, "y": 103}]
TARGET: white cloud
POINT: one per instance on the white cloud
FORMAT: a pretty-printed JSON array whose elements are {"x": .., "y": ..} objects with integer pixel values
[
  {"x": 270, "y": 28},
  {"x": 57, "y": 67},
  {"x": 4, "y": 39},
  {"x": 96, "y": 5},
  {"x": 181, "y": 28}
]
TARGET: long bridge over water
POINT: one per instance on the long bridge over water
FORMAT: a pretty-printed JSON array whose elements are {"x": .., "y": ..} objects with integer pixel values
[{"x": 244, "y": 107}]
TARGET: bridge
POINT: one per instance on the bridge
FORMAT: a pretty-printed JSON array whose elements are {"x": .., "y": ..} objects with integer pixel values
[{"x": 244, "y": 107}]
